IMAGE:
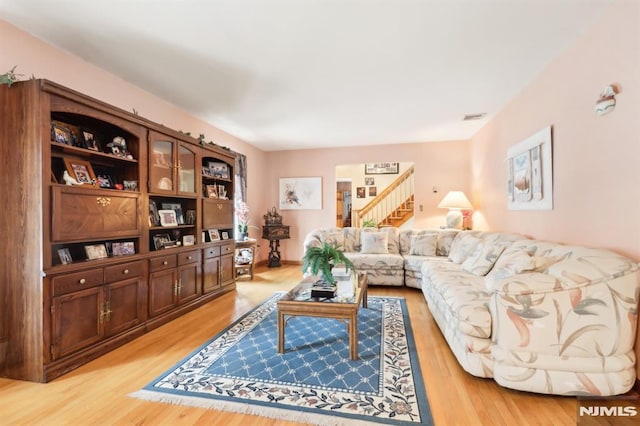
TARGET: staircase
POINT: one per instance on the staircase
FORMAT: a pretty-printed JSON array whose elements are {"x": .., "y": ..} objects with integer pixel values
[{"x": 392, "y": 207}]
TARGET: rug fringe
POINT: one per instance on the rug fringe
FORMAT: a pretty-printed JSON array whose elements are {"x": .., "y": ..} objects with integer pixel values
[{"x": 241, "y": 408}]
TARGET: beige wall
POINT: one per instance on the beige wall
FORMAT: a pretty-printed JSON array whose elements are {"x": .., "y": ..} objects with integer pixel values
[{"x": 596, "y": 179}]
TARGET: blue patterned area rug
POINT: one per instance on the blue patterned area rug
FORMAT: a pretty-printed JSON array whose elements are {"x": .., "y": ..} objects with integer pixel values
[{"x": 314, "y": 381}]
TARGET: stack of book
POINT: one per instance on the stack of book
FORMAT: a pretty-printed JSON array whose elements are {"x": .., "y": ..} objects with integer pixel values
[{"x": 323, "y": 290}]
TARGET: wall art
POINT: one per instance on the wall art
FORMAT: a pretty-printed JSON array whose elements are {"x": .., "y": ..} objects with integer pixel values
[
  {"x": 302, "y": 193},
  {"x": 530, "y": 173}
]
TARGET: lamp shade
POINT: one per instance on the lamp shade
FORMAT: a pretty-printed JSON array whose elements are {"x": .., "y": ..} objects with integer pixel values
[{"x": 455, "y": 200}]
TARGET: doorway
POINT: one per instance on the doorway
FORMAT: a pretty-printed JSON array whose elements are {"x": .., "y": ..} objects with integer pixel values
[{"x": 343, "y": 203}]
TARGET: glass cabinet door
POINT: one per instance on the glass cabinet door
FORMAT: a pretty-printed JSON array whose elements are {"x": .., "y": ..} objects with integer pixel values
[
  {"x": 161, "y": 163},
  {"x": 186, "y": 170}
]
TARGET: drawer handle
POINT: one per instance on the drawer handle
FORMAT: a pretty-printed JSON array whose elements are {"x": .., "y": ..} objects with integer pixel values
[
  {"x": 189, "y": 257},
  {"x": 103, "y": 201},
  {"x": 165, "y": 263},
  {"x": 82, "y": 281},
  {"x": 219, "y": 206},
  {"x": 126, "y": 271}
]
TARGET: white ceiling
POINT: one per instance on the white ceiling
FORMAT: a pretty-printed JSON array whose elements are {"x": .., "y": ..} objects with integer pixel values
[{"x": 289, "y": 74}]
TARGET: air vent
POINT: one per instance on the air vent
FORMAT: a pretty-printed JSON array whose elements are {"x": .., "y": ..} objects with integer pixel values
[{"x": 470, "y": 117}]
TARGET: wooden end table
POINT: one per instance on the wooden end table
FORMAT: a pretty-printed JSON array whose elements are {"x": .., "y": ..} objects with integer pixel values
[{"x": 298, "y": 302}]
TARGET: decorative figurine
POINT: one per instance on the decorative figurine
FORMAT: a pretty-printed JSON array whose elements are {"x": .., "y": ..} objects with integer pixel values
[{"x": 66, "y": 177}]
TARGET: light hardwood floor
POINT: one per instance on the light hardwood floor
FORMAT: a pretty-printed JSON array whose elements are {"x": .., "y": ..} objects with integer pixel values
[{"x": 97, "y": 392}]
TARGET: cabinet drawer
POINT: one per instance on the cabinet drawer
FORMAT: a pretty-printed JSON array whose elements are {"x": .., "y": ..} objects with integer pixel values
[
  {"x": 226, "y": 249},
  {"x": 210, "y": 252},
  {"x": 69, "y": 283},
  {"x": 189, "y": 257},
  {"x": 122, "y": 272},
  {"x": 83, "y": 213},
  {"x": 163, "y": 262}
]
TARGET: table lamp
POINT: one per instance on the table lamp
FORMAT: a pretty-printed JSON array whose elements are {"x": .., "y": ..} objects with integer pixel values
[{"x": 455, "y": 201}]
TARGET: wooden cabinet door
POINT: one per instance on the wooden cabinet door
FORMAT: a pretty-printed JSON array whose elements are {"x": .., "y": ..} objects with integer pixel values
[
  {"x": 217, "y": 214},
  {"x": 125, "y": 304},
  {"x": 162, "y": 162},
  {"x": 188, "y": 288},
  {"x": 78, "y": 321},
  {"x": 186, "y": 170},
  {"x": 85, "y": 213},
  {"x": 211, "y": 274},
  {"x": 227, "y": 269},
  {"x": 162, "y": 291}
]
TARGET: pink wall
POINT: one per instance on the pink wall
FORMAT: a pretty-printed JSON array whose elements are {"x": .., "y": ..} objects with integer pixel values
[
  {"x": 36, "y": 58},
  {"x": 596, "y": 176},
  {"x": 595, "y": 158},
  {"x": 442, "y": 164}
]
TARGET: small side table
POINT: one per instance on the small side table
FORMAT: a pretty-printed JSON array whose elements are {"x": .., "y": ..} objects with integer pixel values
[
  {"x": 275, "y": 233},
  {"x": 250, "y": 244}
]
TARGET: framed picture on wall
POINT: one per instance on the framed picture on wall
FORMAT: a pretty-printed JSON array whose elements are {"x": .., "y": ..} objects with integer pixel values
[
  {"x": 530, "y": 173},
  {"x": 381, "y": 168},
  {"x": 300, "y": 193}
]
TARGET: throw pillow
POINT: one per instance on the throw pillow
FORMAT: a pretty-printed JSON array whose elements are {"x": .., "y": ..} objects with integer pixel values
[
  {"x": 462, "y": 246},
  {"x": 445, "y": 239},
  {"x": 374, "y": 242},
  {"x": 423, "y": 245},
  {"x": 482, "y": 259}
]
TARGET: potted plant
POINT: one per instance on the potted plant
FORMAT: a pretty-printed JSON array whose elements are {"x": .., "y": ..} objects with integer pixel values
[{"x": 323, "y": 259}]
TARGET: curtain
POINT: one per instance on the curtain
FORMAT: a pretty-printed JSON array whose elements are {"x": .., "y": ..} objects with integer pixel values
[{"x": 241, "y": 178}]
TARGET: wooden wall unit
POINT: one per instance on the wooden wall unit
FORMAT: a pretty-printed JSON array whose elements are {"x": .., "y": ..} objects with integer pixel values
[{"x": 57, "y": 315}]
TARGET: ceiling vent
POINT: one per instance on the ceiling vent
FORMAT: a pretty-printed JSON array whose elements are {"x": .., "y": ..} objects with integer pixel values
[{"x": 470, "y": 117}]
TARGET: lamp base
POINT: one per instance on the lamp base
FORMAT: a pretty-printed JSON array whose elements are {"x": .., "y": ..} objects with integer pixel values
[{"x": 454, "y": 219}]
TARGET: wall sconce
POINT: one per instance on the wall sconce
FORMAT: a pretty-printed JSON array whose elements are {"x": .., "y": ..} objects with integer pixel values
[
  {"x": 607, "y": 100},
  {"x": 455, "y": 201}
]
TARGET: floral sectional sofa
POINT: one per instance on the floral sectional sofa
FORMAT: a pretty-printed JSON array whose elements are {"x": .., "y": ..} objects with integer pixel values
[{"x": 533, "y": 315}]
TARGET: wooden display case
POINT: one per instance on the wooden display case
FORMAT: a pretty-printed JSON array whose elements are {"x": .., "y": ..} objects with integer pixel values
[{"x": 81, "y": 273}]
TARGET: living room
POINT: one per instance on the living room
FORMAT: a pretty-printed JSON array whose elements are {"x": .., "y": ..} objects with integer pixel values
[{"x": 594, "y": 167}]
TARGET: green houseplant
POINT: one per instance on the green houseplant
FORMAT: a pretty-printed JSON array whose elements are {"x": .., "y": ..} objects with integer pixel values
[{"x": 322, "y": 260}]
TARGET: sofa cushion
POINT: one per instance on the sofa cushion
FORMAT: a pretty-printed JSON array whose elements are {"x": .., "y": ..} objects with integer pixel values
[
  {"x": 483, "y": 258},
  {"x": 362, "y": 261},
  {"x": 465, "y": 296},
  {"x": 463, "y": 245},
  {"x": 333, "y": 236},
  {"x": 374, "y": 243},
  {"x": 424, "y": 244}
]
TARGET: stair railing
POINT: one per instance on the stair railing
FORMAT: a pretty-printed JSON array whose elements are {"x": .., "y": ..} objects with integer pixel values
[{"x": 382, "y": 208}]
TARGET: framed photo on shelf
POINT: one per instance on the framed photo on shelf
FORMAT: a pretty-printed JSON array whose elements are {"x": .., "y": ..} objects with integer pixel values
[
  {"x": 219, "y": 170},
  {"x": 161, "y": 241},
  {"x": 120, "y": 248},
  {"x": 168, "y": 218},
  {"x": 89, "y": 140},
  {"x": 62, "y": 134},
  {"x": 225, "y": 235},
  {"x": 65, "y": 256},
  {"x": 212, "y": 191},
  {"x": 96, "y": 251},
  {"x": 214, "y": 235},
  {"x": 190, "y": 218},
  {"x": 105, "y": 181},
  {"x": 188, "y": 240},
  {"x": 80, "y": 170},
  {"x": 206, "y": 171},
  {"x": 130, "y": 185},
  {"x": 176, "y": 207}
]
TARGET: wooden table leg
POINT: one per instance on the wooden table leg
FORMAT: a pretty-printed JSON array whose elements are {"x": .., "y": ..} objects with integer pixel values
[
  {"x": 280, "y": 332},
  {"x": 353, "y": 336}
]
